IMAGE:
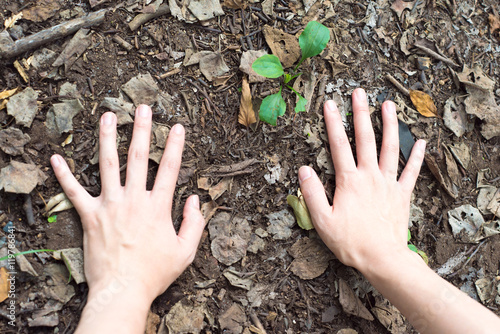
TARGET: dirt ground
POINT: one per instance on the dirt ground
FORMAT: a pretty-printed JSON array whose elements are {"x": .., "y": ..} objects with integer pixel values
[{"x": 366, "y": 45}]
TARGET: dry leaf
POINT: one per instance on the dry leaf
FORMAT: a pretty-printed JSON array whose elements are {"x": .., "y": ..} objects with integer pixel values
[
  {"x": 21, "y": 71},
  {"x": 43, "y": 10},
  {"x": 4, "y": 284},
  {"x": 247, "y": 114},
  {"x": 8, "y": 93},
  {"x": 9, "y": 23},
  {"x": 424, "y": 103},
  {"x": 235, "y": 4},
  {"x": 494, "y": 24}
]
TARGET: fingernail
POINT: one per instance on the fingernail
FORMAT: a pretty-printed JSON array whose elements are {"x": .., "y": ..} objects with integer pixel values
[
  {"x": 195, "y": 202},
  {"x": 54, "y": 160},
  {"x": 143, "y": 110},
  {"x": 304, "y": 173},
  {"x": 330, "y": 105},
  {"x": 360, "y": 93},
  {"x": 178, "y": 129},
  {"x": 107, "y": 119},
  {"x": 422, "y": 144},
  {"x": 391, "y": 107}
]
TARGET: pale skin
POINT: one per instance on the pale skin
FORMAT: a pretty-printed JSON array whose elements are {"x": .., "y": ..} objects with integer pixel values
[{"x": 132, "y": 253}]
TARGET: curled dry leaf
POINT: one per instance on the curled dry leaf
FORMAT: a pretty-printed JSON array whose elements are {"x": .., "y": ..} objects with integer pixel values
[
  {"x": 11, "y": 21},
  {"x": 8, "y": 93},
  {"x": 247, "y": 114},
  {"x": 494, "y": 21},
  {"x": 424, "y": 103}
]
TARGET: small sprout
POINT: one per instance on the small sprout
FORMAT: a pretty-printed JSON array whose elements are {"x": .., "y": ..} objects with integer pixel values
[
  {"x": 312, "y": 41},
  {"x": 52, "y": 219},
  {"x": 414, "y": 248},
  {"x": 301, "y": 211}
]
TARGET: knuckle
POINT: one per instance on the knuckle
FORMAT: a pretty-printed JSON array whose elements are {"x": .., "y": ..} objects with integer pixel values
[
  {"x": 365, "y": 137},
  {"x": 391, "y": 148},
  {"x": 339, "y": 141},
  {"x": 171, "y": 164},
  {"x": 138, "y": 154},
  {"x": 108, "y": 163}
]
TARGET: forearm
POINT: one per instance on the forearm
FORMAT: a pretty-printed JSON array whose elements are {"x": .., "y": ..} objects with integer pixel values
[
  {"x": 114, "y": 310},
  {"x": 431, "y": 304}
]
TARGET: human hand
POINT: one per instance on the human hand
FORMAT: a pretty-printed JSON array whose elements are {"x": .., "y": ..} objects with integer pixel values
[
  {"x": 129, "y": 239},
  {"x": 369, "y": 216}
]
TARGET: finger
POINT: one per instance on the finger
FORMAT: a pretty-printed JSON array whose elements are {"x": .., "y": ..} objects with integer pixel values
[
  {"x": 169, "y": 165},
  {"x": 412, "y": 168},
  {"x": 339, "y": 144},
  {"x": 366, "y": 149},
  {"x": 73, "y": 190},
  {"x": 389, "y": 153},
  {"x": 314, "y": 194},
  {"x": 192, "y": 226},
  {"x": 138, "y": 155},
  {"x": 108, "y": 156}
]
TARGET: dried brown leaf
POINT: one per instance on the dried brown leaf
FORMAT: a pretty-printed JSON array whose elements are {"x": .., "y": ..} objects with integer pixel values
[
  {"x": 399, "y": 6},
  {"x": 424, "y": 103},
  {"x": 247, "y": 114},
  {"x": 43, "y": 10},
  {"x": 235, "y": 4},
  {"x": 8, "y": 93},
  {"x": 9, "y": 23},
  {"x": 494, "y": 21}
]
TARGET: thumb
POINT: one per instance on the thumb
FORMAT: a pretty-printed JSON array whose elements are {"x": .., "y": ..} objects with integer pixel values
[
  {"x": 192, "y": 226},
  {"x": 314, "y": 194}
]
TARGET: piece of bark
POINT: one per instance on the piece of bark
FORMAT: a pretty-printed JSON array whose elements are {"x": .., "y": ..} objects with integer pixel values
[
  {"x": 10, "y": 49},
  {"x": 143, "y": 18}
]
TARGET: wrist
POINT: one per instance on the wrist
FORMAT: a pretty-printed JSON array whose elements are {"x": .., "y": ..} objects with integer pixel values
[{"x": 389, "y": 266}]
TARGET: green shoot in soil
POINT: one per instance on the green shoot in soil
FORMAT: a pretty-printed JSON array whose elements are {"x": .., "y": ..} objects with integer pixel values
[
  {"x": 312, "y": 41},
  {"x": 414, "y": 248}
]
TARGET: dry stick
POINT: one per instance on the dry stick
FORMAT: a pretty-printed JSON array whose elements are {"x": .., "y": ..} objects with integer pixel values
[
  {"x": 10, "y": 49},
  {"x": 436, "y": 55},
  {"x": 396, "y": 83},
  {"x": 123, "y": 43},
  {"x": 143, "y": 18}
]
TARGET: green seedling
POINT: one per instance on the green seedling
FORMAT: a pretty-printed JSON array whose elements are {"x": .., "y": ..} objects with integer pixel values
[
  {"x": 414, "y": 248},
  {"x": 300, "y": 210},
  {"x": 52, "y": 219},
  {"x": 312, "y": 41}
]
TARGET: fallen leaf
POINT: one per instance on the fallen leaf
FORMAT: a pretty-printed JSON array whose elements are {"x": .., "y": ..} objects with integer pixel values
[
  {"x": 284, "y": 46},
  {"x": 424, "y": 103},
  {"x": 399, "y": 6},
  {"x": 389, "y": 316},
  {"x": 20, "y": 178},
  {"x": 247, "y": 114},
  {"x": 233, "y": 319},
  {"x": 152, "y": 322},
  {"x": 230, "y": 236},
  {"x": 494, "y": 21},
  {"x": 4, "y": 284},
  {"x": 185, "y": 317},
  {"x": 351, "y": 304},
  {"x": 246, "y": 61},
  {"x": 9, "y": 92},
  {"x": 208, "y": 209},
  {"x": 311, "y": 258},
  {"x": 280, "y": 224},
  {"x": 21, "y": 71},
  {"x": 12, "y": 141},
  {"x": 73, "y": 259},
  {"x": 23, "y": 106},
  {"x": 75, "y": 48},
  {"x": 11, "y": 21},
  {"x": 219, "y": 189},
  {"x": 235, "y": 4},
  {"x": 43, "y": 10},
  {"x": 300, "y": 209}
]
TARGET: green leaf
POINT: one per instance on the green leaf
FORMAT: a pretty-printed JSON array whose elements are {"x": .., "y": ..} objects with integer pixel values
[
  {"x": 268, "y": 66},
  {"x": 423, "y": 256},
  {"x": 413, "y": 248},
  {"x": 301, "y": 103},
  {"x": 52, "y": 219},
  {"x": 313, "y": 39},
  {"x": 272, "y": 107},
  {"x": 301, "y": 212},
  {"x": 409, "y": 235}
]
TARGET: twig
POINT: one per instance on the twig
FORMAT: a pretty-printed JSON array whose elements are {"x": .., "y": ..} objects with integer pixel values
[
  {"x": 10, "y": 49},
  {"x": 396, "y": 83},
  {"x": 123, "y": 43},
  {"x": 28, "y": 209},
  {"x": 143, "y": 18},
  {"x": 436, "y": 55}
]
